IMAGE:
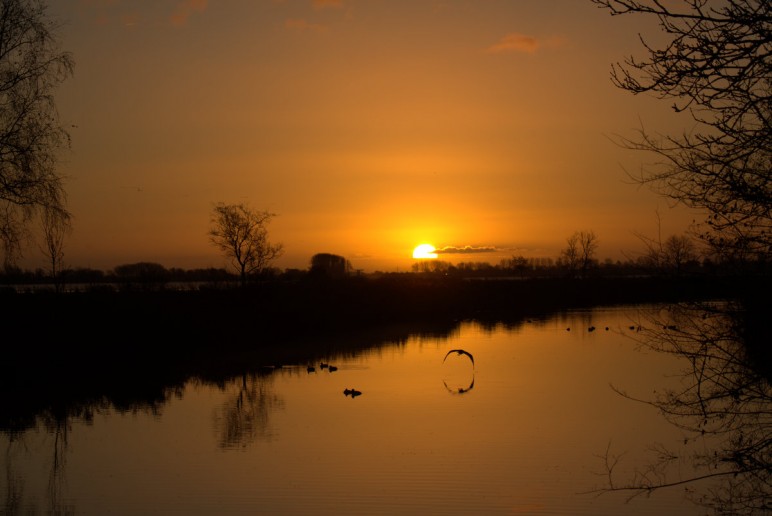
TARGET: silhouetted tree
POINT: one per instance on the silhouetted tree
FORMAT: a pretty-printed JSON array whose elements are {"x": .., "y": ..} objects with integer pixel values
[
  {"x": 589, "y": 246},
  {"x": 569, "y": 256},
  {"x": 56, "y": 223},
  {"x": 670, "y": 256},
  {"x": 519, "y": 264},
  {"x": 679, "y": 252},
  {"x": 31, "y": 67},
  {"x": 241, "y": 233},
  {"x": 715, "y": 66},
  {"x": 433, "y": 266},
  {"x": 579, "y": 253},
  {"x": 330, "y": 265}
]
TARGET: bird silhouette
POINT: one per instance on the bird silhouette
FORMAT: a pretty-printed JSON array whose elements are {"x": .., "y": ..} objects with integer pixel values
[
  {"x": 460, "y": 352},
  {"x": 459, "y": 390},
  {"x": 352, "y": 392}
]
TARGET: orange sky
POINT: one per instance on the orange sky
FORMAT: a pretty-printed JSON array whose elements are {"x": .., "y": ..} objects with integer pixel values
[{"x": 368, "y": 126}]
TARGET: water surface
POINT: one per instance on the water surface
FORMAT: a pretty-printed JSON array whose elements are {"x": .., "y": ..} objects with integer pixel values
[{"x": 521, "y": 431}]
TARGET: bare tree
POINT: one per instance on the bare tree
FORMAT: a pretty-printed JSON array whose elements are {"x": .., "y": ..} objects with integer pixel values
[
  {"x": 31, "y": 67},
  {"x": 56, "y": 223},
  {"x": 241, "y": 233},
  {"x": 579, "y": 253},
  {"x": 589, "y": 246},
  {"x": 679, "y": 251},
  {"x": 571, "y": 255},
  {"x": 670, "y": 255},
  {"x": 715, "y": 67}
]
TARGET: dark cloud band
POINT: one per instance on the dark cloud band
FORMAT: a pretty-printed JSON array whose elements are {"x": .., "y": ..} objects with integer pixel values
[{"x": 465, "y": 250}]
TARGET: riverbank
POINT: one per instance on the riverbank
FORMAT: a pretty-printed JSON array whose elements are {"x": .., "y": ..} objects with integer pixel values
[
  {"x": 63, "y": 353},
  {"x": 261, "y": 312},
  {"x": 211, "y": 313}
]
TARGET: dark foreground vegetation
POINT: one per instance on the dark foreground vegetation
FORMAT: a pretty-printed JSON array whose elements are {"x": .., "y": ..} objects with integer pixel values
[{"x": 109, "y": 319}]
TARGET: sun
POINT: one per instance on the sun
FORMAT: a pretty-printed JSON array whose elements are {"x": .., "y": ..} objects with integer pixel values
[{"x": 424, "y": 251}]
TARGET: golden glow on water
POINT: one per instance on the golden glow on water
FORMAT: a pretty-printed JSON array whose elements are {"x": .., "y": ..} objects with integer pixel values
[{"x": 524, "y": 438}]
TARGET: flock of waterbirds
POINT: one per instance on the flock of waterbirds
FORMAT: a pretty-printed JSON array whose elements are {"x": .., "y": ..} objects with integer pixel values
[
  {"x": 331, "y": 368},
  {"x": 354, "y": 392},
  {"x": 632, "y": 328}
]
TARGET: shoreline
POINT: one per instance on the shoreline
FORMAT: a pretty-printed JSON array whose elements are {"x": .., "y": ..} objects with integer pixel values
[{"x": 66, "y": 353}]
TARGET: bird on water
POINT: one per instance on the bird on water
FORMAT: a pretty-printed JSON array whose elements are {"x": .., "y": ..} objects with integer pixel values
[{"x": 459, "y": 352}]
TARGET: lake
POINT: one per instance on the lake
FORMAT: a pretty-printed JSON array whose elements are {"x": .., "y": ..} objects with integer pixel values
[{"x": 522, "y": 430}]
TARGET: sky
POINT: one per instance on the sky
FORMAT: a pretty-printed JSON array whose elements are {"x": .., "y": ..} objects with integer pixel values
[{"x": 367, "y": 126}]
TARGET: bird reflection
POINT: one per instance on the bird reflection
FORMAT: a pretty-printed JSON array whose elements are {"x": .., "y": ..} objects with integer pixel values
[
  {"x": 459, "y": 352},
  {"x": 459, "y": 390}
]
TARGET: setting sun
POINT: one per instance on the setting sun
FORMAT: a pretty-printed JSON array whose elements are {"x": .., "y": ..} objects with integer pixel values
[{"x": 424, "y": 251}]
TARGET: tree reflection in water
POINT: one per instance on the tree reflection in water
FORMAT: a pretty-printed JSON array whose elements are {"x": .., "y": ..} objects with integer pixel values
[
  {"x": 57, "y": 430},
  {"x": 722, "y": 405},
  {"x": 244, "y": 416}
]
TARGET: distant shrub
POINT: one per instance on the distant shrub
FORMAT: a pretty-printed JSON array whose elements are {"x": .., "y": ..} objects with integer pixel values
[{"x": 143, "y": 275}]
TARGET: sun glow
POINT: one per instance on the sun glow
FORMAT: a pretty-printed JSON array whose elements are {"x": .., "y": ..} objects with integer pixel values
[{"x": 424, "y": 251}]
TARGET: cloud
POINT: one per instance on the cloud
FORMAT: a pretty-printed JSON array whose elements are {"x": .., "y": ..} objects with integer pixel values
[
  {"x": 465, "y": 250},
  {"x": 324, "y": 4},
  {"x": 185, "y": 9},
  {"x": 303, "y": 25},
  {"x": 520, "y": 43},
  {"x": 514, "y": 42}
]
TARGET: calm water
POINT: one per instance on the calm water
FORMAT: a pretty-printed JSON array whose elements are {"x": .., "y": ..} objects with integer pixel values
[{"x": 518, "y": 432}]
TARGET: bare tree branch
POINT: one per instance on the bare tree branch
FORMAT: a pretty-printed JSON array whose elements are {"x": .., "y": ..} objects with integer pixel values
[{"x": 716, "y": 67}]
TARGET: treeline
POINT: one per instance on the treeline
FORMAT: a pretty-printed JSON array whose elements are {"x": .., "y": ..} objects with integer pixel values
[
  {"x": 521, "y": 267},
  {"x": 154, "y": 276},
  {"x": 140, "y": 273}
]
